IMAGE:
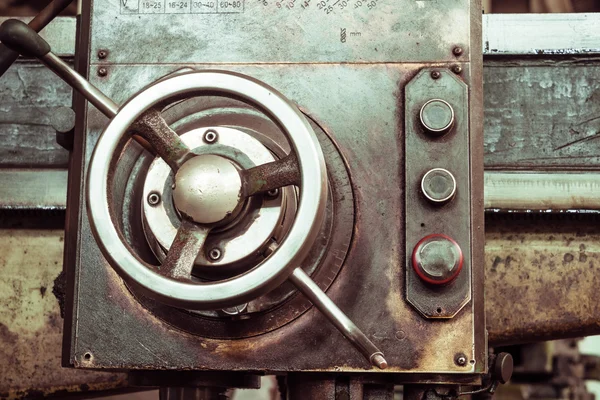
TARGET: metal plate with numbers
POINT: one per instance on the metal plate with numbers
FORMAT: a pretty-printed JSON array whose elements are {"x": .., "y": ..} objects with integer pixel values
[{"x": 315, "y": 31}]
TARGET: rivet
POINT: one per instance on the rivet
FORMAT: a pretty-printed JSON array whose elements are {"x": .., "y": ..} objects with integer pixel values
[
  {"x": 102, "y": 54},
  {"x": 457, "y": 51},
  {"x": 102, "y": 71},
  {"x": 457, "y": 69},
  {"x": 435, "y": 74}
]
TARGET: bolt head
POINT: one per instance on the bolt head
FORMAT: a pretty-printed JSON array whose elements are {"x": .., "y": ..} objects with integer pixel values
[
  {"x": 457, "y": 69},
  {"x": 211, "y": 136},
  {"x": 457, "y": 51},
  {"x": 435, "y": 74},
  {"x": 461, "y": 360},
  {"x": 153, "y": 198},
  {"x": 215, "y": 254}
]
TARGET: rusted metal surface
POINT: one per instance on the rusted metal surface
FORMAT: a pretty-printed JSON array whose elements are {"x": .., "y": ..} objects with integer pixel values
[
  {"x": 270, "y": 176},
  {"x": 184, "y": 250},
  {"x": 542, "y": 279},
  {"x": 167, "y": 144},
  {"x": 415, "y": 345},
  {"x": 559, "y": 298},
  {"x": 30, "y": 321}
]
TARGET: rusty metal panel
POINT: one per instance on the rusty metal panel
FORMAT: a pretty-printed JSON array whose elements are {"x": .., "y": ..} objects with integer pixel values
[
  {"x": 542, "y": 279},
  {"x": 144, "y": 341},
  {"x": 30, "y": 321}
]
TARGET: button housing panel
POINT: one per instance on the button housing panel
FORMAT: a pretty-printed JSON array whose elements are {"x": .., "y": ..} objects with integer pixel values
[{"x": 424, "y": 152}]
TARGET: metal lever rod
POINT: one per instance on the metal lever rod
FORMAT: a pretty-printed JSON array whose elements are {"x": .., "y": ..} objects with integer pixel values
[
  {"x": 19, "y": 36},
  {"x": 337, "y": 317},
  {"x": 82, "y": 85}
]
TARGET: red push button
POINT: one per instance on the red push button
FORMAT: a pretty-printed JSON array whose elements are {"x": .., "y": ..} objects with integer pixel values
[{"x": 437, "y": 259}]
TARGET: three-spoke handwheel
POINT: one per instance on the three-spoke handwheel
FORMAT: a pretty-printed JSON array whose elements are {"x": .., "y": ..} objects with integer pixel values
[{"x": 209, "y": 189}]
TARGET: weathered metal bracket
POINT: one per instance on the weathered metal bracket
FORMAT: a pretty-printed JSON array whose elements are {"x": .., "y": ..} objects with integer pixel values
[{"x": 424, "y": 152}]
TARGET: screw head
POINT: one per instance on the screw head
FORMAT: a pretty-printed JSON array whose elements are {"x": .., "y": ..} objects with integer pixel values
[
  {"x": 457, "y": 69},
  {"x": 211, "y": 136},
  {"x": 215, "y": 254},
  {"x": 153, "y": 198},
  {"x": 273, "y": 193},
  {"x": 102, "y": 71},
  {"x": 457, "y": 51},
  {"x": 460, "y": 360},
  {"x": 102, "y": 54},
  {"x": 435, "y": 74}
]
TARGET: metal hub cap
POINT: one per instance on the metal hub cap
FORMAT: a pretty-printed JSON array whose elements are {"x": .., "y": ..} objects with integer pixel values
[{"x": 208, "y": 189}]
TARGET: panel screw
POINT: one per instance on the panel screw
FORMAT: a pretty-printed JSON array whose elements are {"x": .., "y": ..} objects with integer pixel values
[
  {"x": 457, "y": 51},
  {"x": 457, "y": 69},
  {"x": 435, "y": 74},
  {"x": 215, "y": 254},
  {"x": 211, "y": 136},
  {"x": 461, "y": 360},
  {"x": 102, "y": 54},
  {"x": 273, "y": 193},
  {"x": 153, "y": 198},
  {"x": 102, "y": 71}
]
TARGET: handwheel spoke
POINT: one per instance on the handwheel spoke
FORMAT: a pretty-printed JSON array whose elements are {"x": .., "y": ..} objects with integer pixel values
[
  {"x": 337, "y": 317},
  {"x": 183, "y": 252},
  {"x": 166, "y": 142},
  {"x": 271, "y": 176}
]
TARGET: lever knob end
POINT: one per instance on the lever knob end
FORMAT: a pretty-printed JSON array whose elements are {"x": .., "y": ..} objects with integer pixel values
[{"x": 20, "y": 37}]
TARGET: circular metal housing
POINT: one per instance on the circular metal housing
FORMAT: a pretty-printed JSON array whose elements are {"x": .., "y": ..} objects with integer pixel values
[
  {"x": 437, "y": 117},
  {"x": 438, "y": 186},
  {"x": 239, "y": 240},
  {"x": 437, "y": 259},
  {"x": 258, "y": 280}
]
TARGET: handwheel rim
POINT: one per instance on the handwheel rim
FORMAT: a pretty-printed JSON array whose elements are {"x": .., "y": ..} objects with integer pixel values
[{"x": 266, "y": 275}]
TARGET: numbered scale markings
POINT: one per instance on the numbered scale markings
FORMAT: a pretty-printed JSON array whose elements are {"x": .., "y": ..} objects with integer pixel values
[{"x": 182, "y": 6}]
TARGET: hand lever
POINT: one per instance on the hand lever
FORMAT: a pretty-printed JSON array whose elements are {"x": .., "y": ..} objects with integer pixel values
[
  {"x": 20, "y": 37},
  {"x": 8, "y": 56}
]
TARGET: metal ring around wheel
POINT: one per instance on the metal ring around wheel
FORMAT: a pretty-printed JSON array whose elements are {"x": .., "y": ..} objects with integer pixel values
[{"x": 266, "y": 275}]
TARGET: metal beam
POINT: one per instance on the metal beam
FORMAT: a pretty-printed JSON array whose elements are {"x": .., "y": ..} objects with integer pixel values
[
  {"x": 46, "y": 189},
  {"x": 541, "y": 278},
  {"x": 33, "y": 189}
]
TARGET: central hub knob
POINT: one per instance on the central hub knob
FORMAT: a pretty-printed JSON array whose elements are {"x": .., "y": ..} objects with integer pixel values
[{"x": 208, "y": 189}]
